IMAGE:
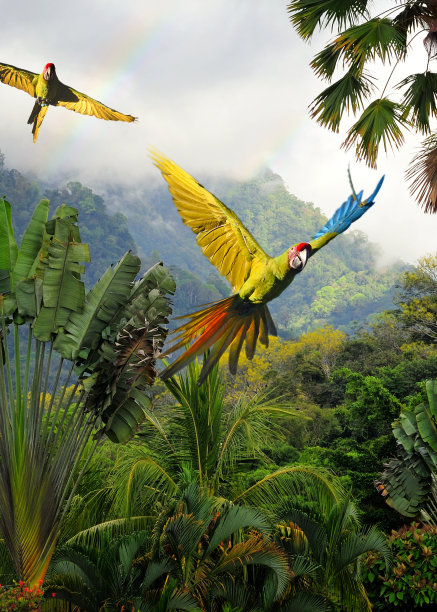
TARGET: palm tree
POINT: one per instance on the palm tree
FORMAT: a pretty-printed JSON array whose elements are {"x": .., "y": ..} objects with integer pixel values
[
  {"x": 72, "y": 366},
  {"x": 196, "y": 556},
  {"x": 361, "y": 39},
  {"x": 200, "y": 437},
  {"x": 333, "y": 539}
]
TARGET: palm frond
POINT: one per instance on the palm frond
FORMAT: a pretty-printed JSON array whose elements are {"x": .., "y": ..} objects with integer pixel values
[
  {"x": 358, "y": 543},
  {"x": 412, "y": 16},
  {"x": 315, "y": 484},
  {"x": 420, "y": 99},
  {"x": 138, "y": 476},
  {"x": 255, "y": 551},
  {"x": 380, "y": 122},
  {"x": 8, "y": 246},
  {"x": 346, "y": 94},
  {"x": 375, "y": 38},
  {"x": 422, "y": 173},
  {"x": 307, "y": 602},
  {"x": 97, "y": 536},
  {"x": 31, "y": 243},
  {"x": 236, "y": 518},
  {"x": 83, "y": 329},
  {"x": 307, "y": 15}
]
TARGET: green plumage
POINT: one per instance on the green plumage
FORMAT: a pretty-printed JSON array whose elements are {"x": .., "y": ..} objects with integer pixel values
[{"x": 256, "y": 277}]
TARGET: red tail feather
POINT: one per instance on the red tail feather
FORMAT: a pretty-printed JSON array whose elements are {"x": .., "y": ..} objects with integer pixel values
[{"x": 220, "y": 325}]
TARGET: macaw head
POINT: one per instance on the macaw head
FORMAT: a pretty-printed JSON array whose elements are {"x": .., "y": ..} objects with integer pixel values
[
  {"x": 298, "y": 255},
  {"x": 49, "y": 71}
]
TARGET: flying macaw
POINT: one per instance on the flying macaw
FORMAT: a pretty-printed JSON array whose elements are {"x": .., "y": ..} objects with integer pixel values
[
  {"x": 256, "y": 277},
  {"x": 48, "y": 90}
]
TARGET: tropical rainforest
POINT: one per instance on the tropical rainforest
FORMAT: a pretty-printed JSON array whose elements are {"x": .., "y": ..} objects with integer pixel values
[{"x": 305, "y": 482}]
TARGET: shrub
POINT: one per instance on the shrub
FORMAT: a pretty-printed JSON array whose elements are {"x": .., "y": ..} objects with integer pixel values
[
  {"x": 412, "y": 581},
  {"x": 20, "y": 597}
]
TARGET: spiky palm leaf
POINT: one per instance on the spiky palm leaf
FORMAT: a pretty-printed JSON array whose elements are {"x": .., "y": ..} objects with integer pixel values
[
  {"x": 380, "y": 122},
  {"x": 307, "y": 15},
  {"x": 420, "y": 99},
  {"x": 336, "y": 542}
]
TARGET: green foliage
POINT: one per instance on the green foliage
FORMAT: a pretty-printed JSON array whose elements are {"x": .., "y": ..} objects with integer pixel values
[
  {"x": 371, "y": 406},
  {"x": 408, "y": 478},
  {"x": 417, "y": 299},
  {"x": 420, "y": 98},
  {"x": 363, "y": 40},
  {"x": 20, "y": 598},
  {"x": 411, "y": 582},
  {"x": 381, "y": 121},
  {"x": 336, "y": 544},
  {"x": 43, "y": 308},
  {"x": 346, "y": 94},
  {"x": 306, "y": 16}
]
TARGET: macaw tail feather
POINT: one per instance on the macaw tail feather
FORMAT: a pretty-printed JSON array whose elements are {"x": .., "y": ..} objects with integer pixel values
[
  {"x": 222, "y": 324},
  {"x": 36, "y": 117}
]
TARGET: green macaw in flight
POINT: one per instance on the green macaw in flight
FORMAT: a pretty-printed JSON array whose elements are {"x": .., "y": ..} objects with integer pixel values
[
  {"x": 256, "y": 278},
  {"x": 48, "y": 90}
]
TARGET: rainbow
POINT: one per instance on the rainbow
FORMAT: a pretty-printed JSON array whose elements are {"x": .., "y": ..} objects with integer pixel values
[
  {"x": 277, "y": 145},
  {"x": 128, "y": 57}
]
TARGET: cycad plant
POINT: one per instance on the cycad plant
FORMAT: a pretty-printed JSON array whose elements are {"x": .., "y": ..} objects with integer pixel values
[
  {"x": 71, "y": 365},
  {"x": 200, "y": 546},
  {"x": 368, "y": 34},
  {"x": 332, "y": 538}
]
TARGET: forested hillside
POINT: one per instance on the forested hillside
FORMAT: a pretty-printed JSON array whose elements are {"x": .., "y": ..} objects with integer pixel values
[{"x": 340, "y": 286}]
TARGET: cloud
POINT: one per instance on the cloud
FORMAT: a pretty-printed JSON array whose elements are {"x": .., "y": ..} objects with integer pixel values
[{"x": 222, "y": 87}]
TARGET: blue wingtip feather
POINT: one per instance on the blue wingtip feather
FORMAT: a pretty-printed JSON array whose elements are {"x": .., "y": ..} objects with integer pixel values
[{"x": 348, "y": 212}]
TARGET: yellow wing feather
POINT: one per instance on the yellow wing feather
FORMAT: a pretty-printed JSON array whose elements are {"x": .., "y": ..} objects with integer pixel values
[
  {"x": 16, "y": 77},
  {"x": 229, "y": 246},
  {"x": 81, "y": 103}
]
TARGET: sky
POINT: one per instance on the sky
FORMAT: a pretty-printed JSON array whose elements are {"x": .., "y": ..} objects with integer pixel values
[{"x": 222, "y": 87}]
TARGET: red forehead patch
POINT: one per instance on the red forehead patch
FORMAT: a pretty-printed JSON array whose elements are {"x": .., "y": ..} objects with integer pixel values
[
  {"x": 302, "y": 245},
  {"x": 50, "y": 65}
]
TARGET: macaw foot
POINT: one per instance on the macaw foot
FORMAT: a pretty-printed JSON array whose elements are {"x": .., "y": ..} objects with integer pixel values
[{"x": 42, "y": 101}]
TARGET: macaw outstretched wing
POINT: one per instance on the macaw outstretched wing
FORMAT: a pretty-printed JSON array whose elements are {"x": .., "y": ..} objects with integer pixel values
[
  {"x": 349, "y": 211},
  {"x": 19, "y": 78},
  {"x": 220, "y": 233},
  {"x": 81, "y": 103}
]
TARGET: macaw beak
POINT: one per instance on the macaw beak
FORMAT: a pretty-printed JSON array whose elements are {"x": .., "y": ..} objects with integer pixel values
[
  {"x": 297, "y": 259},
  {"x": 47, "y": 73}
]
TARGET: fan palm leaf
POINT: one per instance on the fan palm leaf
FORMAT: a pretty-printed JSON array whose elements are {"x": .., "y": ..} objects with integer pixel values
[{"x": 307, "y": 15}]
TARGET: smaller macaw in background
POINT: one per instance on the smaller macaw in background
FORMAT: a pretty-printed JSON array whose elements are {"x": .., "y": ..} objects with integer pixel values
[
  {"x": 48, "y": 90},
  {"x": 256, "y": 277}
]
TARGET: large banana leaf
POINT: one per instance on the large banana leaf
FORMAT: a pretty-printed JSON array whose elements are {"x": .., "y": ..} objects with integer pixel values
[
  {"x": 126, "y": 361},
  {"x": 83, "y": 331},
  {"x": 63, "y": 291},
  {"x": 31, "y": 243},
  {"x": 407, "y": 480},
  {"x": 8, "y": 246}
]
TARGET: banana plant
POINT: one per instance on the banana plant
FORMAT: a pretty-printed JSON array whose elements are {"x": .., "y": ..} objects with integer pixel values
[
  {"x": 408, "y": 482},
  {"x": 74, "y": 367}
]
